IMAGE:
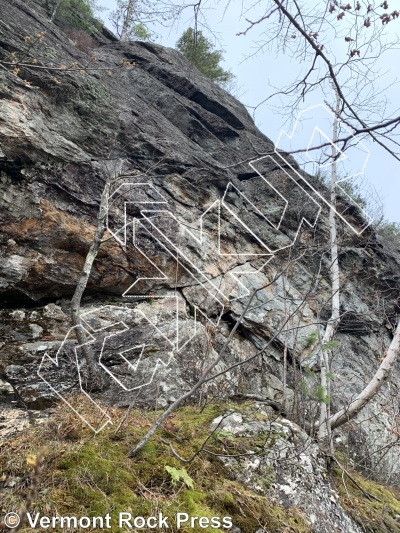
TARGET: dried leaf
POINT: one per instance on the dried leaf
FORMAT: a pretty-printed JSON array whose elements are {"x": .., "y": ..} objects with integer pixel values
[{"x": 31, "y": 460}]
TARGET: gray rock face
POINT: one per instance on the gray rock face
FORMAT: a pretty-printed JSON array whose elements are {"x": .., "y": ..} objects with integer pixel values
[
  {"x": 289, "y": 468},
  {"x": 207, "y": 226}
]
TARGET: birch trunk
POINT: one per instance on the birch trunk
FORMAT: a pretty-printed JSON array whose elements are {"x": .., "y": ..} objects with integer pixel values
[
  {"x": 381, "y": 375},
  {"x": 128, "y": 17},
  {"x": 54, "y": 12},
  {"x": 90, "y": 358},
  {"x": 324, "y": 429}
]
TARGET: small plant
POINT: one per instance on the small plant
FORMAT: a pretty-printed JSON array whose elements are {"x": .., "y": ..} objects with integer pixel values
[
  {"x": 180, "y": 475},
  {"x": 304, "y": 387},
  {"x": 78, "y": 14},
  {"x": 390, "y": 232},
  {"x": 309, "y": 371},
  {"x": 330, "y": 345},
  {"x": 311, "y": 339},
  {"x": 141, "y": 32},
  {"x": 354, "y": 193},
  {"x": 223, "y": 435},
  {"x": 320, "y": 394},
  {"x": 200, "y": 51}
]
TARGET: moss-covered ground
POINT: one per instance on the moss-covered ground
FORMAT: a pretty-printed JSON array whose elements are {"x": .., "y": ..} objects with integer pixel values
[
  {"x": 375, "y": 507},
  {"x": 84, "y": 474},
  {"x": 87, "y": 474}
]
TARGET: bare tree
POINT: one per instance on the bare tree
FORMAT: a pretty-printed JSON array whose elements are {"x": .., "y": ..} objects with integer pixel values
[
  {"x": 342, "y": 45},
  {"x": 131, "y": 18},
  {"x": 125, "y": 18},
  {"x": 112, "y": 170},
  {"x": 381, "y": 375},
  {"x": 324, "y": 431},
  {"x": 346, "y": 111}
]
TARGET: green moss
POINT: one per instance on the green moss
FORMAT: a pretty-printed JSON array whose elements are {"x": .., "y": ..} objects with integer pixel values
[
  {"x": 375, "y": 513},
  {"x": 229, "y": 500},
  {"x": 89, "y": 475}
]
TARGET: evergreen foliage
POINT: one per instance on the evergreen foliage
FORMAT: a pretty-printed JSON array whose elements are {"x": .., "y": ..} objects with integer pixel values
[
  {"x": 75, "y": 14},
  {"x": 390, "y": 231},
  {"x": 200, "y": 52}
]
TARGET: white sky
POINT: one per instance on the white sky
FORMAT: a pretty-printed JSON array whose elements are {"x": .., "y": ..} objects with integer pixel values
[{"x": 257, "y": 75}]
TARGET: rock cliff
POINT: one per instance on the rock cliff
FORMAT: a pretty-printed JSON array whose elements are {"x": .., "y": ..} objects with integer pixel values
[{"x": 169, "y": 288}]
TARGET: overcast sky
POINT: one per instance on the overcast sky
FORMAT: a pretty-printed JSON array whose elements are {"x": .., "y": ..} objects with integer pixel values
[{"x": 257, "y": 73}]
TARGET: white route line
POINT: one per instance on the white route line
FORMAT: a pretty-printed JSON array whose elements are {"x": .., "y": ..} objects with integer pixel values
[
  {"x": 56, "y": 362},
  {"x": 181, "y": 257},
  {"x": 283, "y": 134}
]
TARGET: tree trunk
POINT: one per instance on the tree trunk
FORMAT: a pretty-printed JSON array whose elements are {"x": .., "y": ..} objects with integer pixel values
[
  {"x": 381, "y": 375},
  {"x": 324, "y": 429},
  {"x": 177, "y": 403},
  {"x": 95, "y": 378},
  {"x": 54, "y": 12},
  {"x": 128, "y": 18}
]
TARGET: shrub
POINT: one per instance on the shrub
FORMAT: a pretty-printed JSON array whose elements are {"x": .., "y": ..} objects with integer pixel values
[
  {"x": 200, "y": 52},
  {"x": 81, "y": 39},
  {"x": 390, "y": 231},
  {"x": 77, "y": 14}
]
